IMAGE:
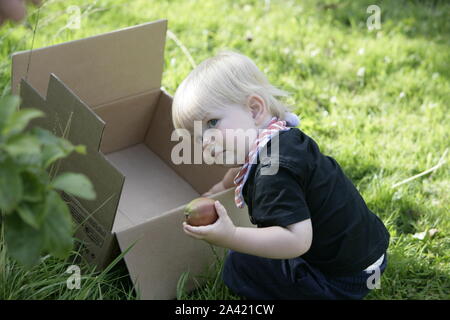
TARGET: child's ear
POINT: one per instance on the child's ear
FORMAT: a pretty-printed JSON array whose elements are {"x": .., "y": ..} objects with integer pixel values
[{"x": 257, "y": 107}]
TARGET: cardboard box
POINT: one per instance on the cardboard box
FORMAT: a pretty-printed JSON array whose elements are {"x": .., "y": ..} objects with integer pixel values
[{"x": 106, "y": 90}]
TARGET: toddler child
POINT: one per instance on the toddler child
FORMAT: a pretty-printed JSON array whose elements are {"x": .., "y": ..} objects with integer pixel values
[{"x": 315, "y": 236}]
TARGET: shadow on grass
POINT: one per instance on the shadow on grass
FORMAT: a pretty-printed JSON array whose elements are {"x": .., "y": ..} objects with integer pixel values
[
  {"x": 409, "y": 277},
  {"x": 213, "y": 287}
]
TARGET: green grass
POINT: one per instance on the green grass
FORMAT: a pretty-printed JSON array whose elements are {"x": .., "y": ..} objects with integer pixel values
[{"x": 375, "y": 101}]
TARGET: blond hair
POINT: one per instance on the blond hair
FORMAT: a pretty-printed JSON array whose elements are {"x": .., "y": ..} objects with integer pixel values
[{"x": 220, "y": 81}]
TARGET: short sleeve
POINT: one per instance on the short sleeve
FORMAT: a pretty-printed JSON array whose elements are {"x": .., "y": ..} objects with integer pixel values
[{"x": 279, "y": 199}]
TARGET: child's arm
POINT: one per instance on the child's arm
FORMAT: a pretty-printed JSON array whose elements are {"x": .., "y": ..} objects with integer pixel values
[
  {"x": 228, "y": 179},
  {"x": 225, "y": 183},
  {"x": 271, "y": 242},
  {"x": 274, "y": 242}
]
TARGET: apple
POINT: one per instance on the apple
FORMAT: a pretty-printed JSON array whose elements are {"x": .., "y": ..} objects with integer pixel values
[{"x": 200, "y": 212}]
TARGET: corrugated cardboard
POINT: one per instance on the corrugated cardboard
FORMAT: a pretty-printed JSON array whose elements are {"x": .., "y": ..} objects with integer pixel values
[{"x": 105, "y": 91}]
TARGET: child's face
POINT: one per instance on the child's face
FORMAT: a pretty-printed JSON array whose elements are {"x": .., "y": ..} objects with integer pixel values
[{"x": 238, "y": 125}]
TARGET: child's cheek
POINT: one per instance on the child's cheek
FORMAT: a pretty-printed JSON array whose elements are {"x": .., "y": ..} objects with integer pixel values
[{"x": 239, "y": 156}]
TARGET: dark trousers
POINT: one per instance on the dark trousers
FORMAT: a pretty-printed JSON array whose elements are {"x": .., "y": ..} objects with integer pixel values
[{"x": 254, "y": 278}]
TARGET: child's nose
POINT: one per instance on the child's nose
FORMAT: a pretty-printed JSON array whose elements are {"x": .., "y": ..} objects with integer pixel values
[{"x": 206, "y": 142}]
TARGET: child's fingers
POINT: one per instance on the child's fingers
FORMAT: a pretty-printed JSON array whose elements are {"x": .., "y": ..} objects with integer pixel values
[
  {"x": 193, "y": 235},
  {"x": 188, "y": 232},
  {"x": 221, "y": 211},
  {"x": 198, "y": 230}
]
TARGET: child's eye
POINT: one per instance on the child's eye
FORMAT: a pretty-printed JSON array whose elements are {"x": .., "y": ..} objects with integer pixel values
[{"x": 212, "y": 123}]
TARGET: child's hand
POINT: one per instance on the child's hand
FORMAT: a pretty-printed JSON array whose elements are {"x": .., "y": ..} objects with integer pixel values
[
  {"x": 225, "y": 183},
  {"x": 220, "y": 233}
]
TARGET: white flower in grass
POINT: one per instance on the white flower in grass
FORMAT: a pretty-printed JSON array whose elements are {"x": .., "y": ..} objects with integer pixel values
[
  {"x": 420, "y": 235},
  {"x": 361, "y": 51},
  {"x": 401, "y": 95},
  {"x": 432, "y": 232},
  {"x": 315, "y": 52},
  {"x": 248, "y": 36},
  {"x": 361, "y": 72},
  {"x": 333, "y": 100}
]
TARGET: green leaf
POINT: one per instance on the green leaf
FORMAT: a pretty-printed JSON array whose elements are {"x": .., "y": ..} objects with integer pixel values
[
  {"x": 24, "y": 243},
  {"x": 51, "y": 153},
  {"x": 33, "y": 188},
  {"x": 54, "y": 148},
  {"x": 30, "y": 214},
  {"x": 19, "y": 120},
  {"x": 27, "y": 161},
  {"x": 10, "y": 185},
  {"x": 80, "y": 149},
  {"x": 75, "y": 184},
  {"x": 8, "y": 105},
  {"x": 48, "y": 138},
  {"x": 22, "y": 144},
  {"x": 57, "y": 226}
]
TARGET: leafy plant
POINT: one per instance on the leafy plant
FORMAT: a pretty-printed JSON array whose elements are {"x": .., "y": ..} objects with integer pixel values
[{"x": 36, "y": 219}]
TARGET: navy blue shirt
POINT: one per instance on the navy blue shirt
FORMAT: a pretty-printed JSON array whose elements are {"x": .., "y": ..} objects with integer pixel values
[{"x": 347, "y": 236}]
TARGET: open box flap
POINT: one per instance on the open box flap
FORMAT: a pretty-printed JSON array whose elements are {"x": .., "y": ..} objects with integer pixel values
[
  {"x": 65, "y": 112},
  {"x": 161, "y": 251},
  {"x": 101, "y": 68}
]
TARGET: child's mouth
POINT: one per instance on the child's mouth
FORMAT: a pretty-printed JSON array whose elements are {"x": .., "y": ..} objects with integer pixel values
[
  {"x": 214, "y": 154},
  {"x": 215, "y": 151}
]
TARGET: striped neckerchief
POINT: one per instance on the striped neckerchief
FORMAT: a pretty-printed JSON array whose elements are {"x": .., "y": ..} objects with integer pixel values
[{"x": 263, "y": 138}]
